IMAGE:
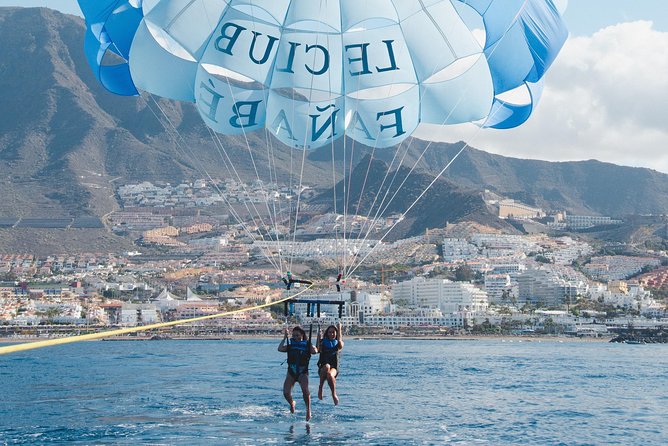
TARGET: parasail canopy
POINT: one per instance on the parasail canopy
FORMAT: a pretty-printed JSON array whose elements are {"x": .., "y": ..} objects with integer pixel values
[{"x": 310, "y": 71}]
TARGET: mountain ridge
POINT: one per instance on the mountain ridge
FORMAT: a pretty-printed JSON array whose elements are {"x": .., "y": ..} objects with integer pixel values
[{"x": 65, "y": 143}]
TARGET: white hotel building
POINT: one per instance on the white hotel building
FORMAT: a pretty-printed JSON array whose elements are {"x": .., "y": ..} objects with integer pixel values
[
  {"x": 458, "y": 249},
  {"x": 497, "y": 284},
  {"x": 447, "y": 296},
  {"x": 422, "y": 317},
  {"x": 374, "y": 309}
]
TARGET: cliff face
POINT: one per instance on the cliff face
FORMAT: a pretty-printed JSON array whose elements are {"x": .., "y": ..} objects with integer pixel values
[
  {"x": 583, "y": 187},
  {"x": 63, "y": 138}
]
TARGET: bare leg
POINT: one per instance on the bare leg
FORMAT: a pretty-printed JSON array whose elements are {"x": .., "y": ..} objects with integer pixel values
[
  {"x": 287, "y": 391},
  {"x": 331, "y": 380},
  {"x": 323, "y": 372},
  {"x": 303, "y": 382}
]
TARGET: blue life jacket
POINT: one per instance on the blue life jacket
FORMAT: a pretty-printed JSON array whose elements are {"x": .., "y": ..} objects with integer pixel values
[
  {"x": 299, "y": 355},
  {"x": 329, "y": 353}
]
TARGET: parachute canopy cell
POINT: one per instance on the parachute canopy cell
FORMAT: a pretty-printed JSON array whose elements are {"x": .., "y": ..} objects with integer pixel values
[{"x": 310, "y": 71}]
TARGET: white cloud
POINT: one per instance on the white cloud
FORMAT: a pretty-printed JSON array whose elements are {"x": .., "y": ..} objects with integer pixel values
[{"x": 603, "y": 99}]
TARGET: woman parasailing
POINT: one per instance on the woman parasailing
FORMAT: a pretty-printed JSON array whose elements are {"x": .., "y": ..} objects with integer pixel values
[
  {"x": 299, "y": 350},
  {"x": 329, "y": 347}
]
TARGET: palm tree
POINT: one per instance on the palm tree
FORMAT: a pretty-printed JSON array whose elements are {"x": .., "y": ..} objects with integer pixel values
[
  {"x": 505, "y": 295},
  {"x": 567, "y": 301}
]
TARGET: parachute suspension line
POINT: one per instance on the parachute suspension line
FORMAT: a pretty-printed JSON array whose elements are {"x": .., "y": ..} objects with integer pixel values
[
  {"x": 347, "y": 226},
  {"x": 301, "y": 170},
  {"x": 291, "y": 192},
  {"x": 339, "y": 248},
  {"x": 347, "y": 203},
  {"x": 381, "y": 210},
  {"x": 278, "y": 215},
  {"x": 343, "y": 245},
  {"x": 264, "y": 192},
  {"x": 505, "y": 33},
  {"x": 270, "y": 160},
  {"x": 299, "y": 196},
  {"x": 182, "y": 147},
  {"x": 354, "y": 267},
  {"x": 292, "y": 201},
  {"x": 107, "y": 334},
  {"x": 357, "y": 208},
  {"x": 361, "y": 192},
  {"x": 366, "y": 176},
  {"x": 336, "y": 228},
  {"x": 415, "y": 164},
  {"x": 298, "y": 204},
  {"x": 346, "y": 188},
  {"x": 343, "y": 198},
  {"x": 231, "y": 168},
  {"x": 207, "y": 14},
  {"x": 371, "y": 221},
  {"x": 233, "y": 211},
  {"x": 422, "y": 194}
]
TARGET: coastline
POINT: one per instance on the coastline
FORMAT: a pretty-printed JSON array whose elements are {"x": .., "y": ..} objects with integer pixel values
[{"x": 466, "y": 337}]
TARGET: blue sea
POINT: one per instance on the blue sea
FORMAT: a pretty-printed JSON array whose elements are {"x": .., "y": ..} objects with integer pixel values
[{"x": 395, "y": 392}]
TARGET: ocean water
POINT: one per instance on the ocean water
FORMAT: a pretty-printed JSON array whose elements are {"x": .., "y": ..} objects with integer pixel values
[{"x": 395, "y": 392}]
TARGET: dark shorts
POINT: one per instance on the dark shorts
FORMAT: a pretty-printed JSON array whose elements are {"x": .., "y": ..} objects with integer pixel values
[
  {"x": 297, "y": 373},
  {"x": 335, "y": 368}
]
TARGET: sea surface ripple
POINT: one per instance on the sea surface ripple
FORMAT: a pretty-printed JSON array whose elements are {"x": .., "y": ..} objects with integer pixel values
[{"x": 395, "y": 392}]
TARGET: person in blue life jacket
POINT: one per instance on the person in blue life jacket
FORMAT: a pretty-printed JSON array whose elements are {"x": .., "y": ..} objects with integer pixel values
[
  {"x": 329, "y": 346},
  {"x": 299, "y": 350}
]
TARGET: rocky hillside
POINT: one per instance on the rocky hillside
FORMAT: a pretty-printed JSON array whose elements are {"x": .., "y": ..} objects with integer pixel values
[{"x": 65, "y": 143}]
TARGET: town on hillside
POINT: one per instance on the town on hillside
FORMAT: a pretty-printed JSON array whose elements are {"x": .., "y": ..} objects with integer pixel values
[{"x": 198, "y": 254}]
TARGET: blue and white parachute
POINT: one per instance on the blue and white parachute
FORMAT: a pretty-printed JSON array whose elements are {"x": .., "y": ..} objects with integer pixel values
[{"x": 310, "y": 71}]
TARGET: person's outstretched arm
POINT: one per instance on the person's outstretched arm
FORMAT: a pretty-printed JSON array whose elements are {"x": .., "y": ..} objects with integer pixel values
[
  {"x": 339, "y": 336},
  {"x": 284, "y": 345}
]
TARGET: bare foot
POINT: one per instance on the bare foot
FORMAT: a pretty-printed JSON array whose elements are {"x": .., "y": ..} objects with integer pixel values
[
  {"x": 308, "y": 414},
  {"x": 292, "y": 406},
  {"x": 336, "y": 399},
  {"x": 320, "y": 393}
]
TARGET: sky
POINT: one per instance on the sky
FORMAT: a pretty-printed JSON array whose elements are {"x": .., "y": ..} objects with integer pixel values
[{"x": 603, "y": 95}]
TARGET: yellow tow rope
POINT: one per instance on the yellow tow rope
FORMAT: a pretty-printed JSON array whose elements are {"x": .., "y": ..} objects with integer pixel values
[{"x": 122, "y": 331}]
